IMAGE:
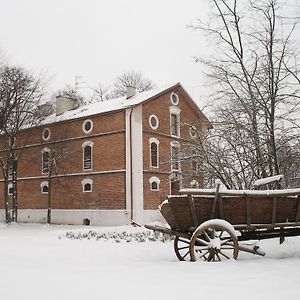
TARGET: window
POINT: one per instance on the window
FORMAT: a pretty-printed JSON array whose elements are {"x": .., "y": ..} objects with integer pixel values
[
  {"x": 45, "y": 160},
  {"x": 174, "y": 98},
  {"x": 153, "y": 121},
  {"x": 10, "y": 189},
  {"x": 87, "y": 185},
  {"x": 44, "y": 187},
  {"x": 175, "y": 120},
  {"x": 87, "y": 126},
  {"x": 154, "y": 183},
  {"x": 175, "y": 159},
  {"x": 174, "y": 124},
  {"x": 46, "y": 134},
  {"x": 154, "y": 152},
  {"x": 87, "y": 155}
]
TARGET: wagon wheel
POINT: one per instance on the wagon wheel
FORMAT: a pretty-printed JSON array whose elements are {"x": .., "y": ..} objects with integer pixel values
[
  {"x": 214, "y": 240},
  {"x": 181, "y": 248}
]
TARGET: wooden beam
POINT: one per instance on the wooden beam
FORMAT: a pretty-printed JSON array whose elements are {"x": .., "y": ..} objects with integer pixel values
[
  {"x": 193, "y": 210},
  {"x": 213, "y": 212},
  {"x": 274, "y": 210},
  {"x": 248, "y": 211},
  {"x": 297, "y": 219}
]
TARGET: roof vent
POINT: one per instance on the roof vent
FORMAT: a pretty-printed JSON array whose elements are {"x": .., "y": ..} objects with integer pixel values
[{"x": 131, "y": 91}]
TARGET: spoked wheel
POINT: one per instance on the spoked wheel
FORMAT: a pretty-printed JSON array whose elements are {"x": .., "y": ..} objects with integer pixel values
[
  {"x": 182, "y": 248},
  {"x": 214, "y": 240}
]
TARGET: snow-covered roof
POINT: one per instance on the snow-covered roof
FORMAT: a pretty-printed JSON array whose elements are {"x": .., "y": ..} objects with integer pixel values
[
  {"x": 107, "y": 106},
  {"x": 257, "y": 193},
  {"x": 267, "y": 180}
]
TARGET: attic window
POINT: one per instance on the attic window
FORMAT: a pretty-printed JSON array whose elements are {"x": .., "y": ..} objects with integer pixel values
[
  {"x": 87, "y": 126},
  {"x": 46, "y": 134},
  {"x": 174, "y": 98}
]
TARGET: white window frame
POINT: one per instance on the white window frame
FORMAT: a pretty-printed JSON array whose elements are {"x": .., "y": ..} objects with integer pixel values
[
  {"x": 174, "y": 110},
  {"x": 176, "y": 96},
  {"x": 90, "y": 144},
  {"x": 155, "y": 141},
  {"x": 46, "y": 139},
  {"x": 87, "y": 181},
  {"x": 43, "y": 184},
  {"x": 157, "y": 181},
  {"x": 43, "y": 151},
  {"x": 83, "y": 126},
  {"x": 157, "y": 122}
]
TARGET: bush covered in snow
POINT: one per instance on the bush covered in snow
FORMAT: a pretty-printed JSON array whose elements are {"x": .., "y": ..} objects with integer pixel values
[{"x": 143, "y": 236}]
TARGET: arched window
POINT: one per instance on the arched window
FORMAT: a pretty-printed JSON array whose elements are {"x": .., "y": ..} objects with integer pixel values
[
  {"x": 154, "y": 161},
  {"x": 194, "y": 184},
  {"x": 87, "y": 155},
  {"x": 154, "y": 183},
  {"x": 175, "y": 120},
  {"x": 45, "y": 160},
  {"x": 87, "y": 185},
  {"x": 44, "y": 187}
]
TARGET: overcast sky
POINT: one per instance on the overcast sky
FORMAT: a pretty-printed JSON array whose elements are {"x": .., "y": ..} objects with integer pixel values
[{"x": 101, "y": 39}]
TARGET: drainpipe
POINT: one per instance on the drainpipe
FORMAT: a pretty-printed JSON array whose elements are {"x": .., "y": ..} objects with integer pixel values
[{"x": 131, "y": 172}]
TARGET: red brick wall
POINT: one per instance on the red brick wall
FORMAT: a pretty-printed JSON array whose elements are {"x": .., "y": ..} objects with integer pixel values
[
  {"x": 161, "y": 108},
  {"x": 108, "y": 152}
]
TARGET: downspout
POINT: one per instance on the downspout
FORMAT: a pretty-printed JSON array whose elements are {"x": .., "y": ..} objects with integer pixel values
[{"x": 131, "y": 172}]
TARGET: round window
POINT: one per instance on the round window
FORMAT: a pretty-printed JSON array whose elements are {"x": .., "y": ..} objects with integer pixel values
[
  {"x": 87, "y": 126},
  {"x": 174, "y": 98},
  {"x": 153, "y": 121},
  {"x": 46, "y": 134}
]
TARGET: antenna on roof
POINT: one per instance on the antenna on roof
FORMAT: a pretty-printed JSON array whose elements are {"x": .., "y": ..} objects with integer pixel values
[{"x": 78, "y": 81}]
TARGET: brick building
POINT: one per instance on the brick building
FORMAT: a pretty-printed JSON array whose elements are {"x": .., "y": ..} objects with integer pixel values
[{"x": 114, "y": 160}]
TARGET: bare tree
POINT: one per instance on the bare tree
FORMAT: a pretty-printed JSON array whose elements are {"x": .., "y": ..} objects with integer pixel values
[
  {"x": 254, "y": 74},
  {"x": 130, "y": 78},
  {"x": 20, "y": 93},
  {"x": 99, "y": 94}
]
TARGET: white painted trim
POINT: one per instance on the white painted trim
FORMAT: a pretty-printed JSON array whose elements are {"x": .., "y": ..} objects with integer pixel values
[
  {"x": 154, "y": 179},
  {"x": 128, "y": 114},
  {"x": 83, "y": 126},
  {"x": 157, "y": 122},
  {"x": 87, "y": 181},
  {"x": 43, "y": 184},
  {"x": 177, "y": 98},
  {"x": 46, "y": 139}
]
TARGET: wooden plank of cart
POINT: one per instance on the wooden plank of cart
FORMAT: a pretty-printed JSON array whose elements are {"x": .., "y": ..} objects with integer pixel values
[{"x": 215, "y": 224}]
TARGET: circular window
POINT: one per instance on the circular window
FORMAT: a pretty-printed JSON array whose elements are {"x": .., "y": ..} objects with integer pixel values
[
  {"x": 87, "y": 126},
  {"x": 174, "y": 98},
  {"x": 153, "y": 121},
  {"x": 46, "y": 134},
  {"x": 193, "y": 132}
]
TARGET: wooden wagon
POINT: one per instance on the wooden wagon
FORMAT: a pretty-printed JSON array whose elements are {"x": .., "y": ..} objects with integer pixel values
[{"x": 214, "y": 224}]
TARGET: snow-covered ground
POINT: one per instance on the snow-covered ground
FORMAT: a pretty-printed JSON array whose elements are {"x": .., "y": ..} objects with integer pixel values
[{"x": 40, "y": 262}]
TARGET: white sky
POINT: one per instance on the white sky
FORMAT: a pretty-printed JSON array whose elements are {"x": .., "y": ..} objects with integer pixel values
[{"x": 100, "y": 39}]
